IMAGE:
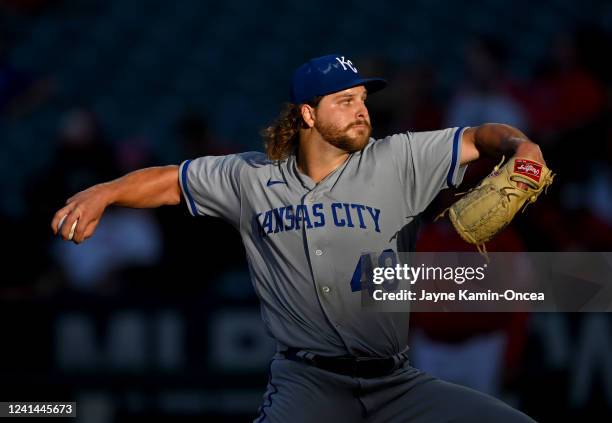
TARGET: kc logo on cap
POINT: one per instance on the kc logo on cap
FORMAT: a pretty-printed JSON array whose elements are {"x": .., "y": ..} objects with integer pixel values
[
  {"x": 346, "y": 63},
  {"x": 326, "y": 75}
]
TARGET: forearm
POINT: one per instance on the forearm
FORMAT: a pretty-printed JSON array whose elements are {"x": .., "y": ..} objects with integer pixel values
[
  {"x": 144, "y": 188},
  {"x": 495, "y": 140},
  {"x": 150, "y": 187}
]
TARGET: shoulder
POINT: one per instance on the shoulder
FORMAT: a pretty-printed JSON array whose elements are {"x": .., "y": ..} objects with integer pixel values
[
  {"x": 255, "y": 164},
  {"x": 403, "y": 144},
  {"x": 237, "y": 162},
  {"x": 410, "y": 139},
  {"x": 392, "y": 139},
  {"x": 230, "y": 164},
  {"x": 253, "y": 159},
  {"x": 385, "y": 144}
]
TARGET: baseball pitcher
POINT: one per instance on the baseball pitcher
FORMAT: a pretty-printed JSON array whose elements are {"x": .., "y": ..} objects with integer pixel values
[{"x": 322, "y": 195}]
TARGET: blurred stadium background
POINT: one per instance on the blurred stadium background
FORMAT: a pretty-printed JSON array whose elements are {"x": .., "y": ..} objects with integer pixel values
[{"x": 155, "y": 315}]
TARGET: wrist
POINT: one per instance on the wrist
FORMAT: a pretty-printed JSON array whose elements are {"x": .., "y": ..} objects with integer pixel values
[
  {"x": 107, "y": 191},
  {"x": 529, "y": 150}
]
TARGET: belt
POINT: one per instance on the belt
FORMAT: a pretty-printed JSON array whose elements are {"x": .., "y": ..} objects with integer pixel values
[{"x": 362, "y": 367}]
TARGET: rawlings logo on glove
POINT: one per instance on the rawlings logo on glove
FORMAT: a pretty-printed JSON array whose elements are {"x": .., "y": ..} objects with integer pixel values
[
  {"x": 528, "y": 168},
  {"x": 488, "y": 208}
]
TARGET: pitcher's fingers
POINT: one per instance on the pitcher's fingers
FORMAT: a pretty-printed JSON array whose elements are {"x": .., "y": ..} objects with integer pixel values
[
  {"x": 67, "y": 226},
  {"x": 81, "y": 227},
  {"x": 59, "y": 215},
  {"x": 77, "y": 237},
  {"x": 91, "y": 227},
  {"x": 61, "y": 222}
]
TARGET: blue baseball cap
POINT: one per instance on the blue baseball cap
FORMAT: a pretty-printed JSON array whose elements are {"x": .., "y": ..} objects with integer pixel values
[{"x": 329, "y": 74}]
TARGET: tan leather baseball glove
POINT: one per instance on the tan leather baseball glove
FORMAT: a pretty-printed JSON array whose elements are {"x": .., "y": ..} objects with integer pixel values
[{"x": 488, "y": 208}]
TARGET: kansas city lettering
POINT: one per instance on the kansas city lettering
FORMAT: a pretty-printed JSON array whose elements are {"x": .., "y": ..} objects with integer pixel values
[{"x": 292, "y": 218}]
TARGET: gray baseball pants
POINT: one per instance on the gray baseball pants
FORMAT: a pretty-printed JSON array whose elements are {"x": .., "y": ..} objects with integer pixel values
[{"x": 300, "y": 393}]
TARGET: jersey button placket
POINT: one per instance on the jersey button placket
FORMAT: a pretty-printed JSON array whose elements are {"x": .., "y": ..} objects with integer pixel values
[
  {"x": 309, "y": 198},
  {"x": 321, "y": 267}
]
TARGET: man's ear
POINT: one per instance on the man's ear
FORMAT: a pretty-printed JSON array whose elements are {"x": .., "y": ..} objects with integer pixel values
[{"x": 308, "y": 115}]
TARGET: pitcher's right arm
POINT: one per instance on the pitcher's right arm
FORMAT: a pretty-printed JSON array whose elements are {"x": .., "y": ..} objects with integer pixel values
[{"x": 144, "y": 188}]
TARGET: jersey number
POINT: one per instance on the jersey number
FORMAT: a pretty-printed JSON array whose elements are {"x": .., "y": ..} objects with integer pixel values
[{"x": 364, "y": 271}]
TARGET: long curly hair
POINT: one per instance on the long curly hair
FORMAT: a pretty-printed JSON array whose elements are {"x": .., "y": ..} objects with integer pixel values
[{"x": 282, "y": 136}]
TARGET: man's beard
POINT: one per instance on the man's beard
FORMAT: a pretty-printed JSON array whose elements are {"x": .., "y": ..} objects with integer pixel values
[{"x": 340, "y": 138}]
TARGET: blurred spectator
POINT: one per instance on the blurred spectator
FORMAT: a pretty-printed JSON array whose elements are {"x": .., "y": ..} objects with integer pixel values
[
  {"x": 479, "y": 350},
  {"x": 196, "y": 138},
  {"x": 416, "y": 91},
  {"x": 569, "y": 111},
  {"x": 198, "y": 249},
  {"x": 82, "y": 158},
  {"x": 413, "y": 103},
  {"x": 123, "y": 238},
  {"x": 125, "y": 241},
  {"x": 564, "y": 94},
  {"x": 485, "y": 94}
]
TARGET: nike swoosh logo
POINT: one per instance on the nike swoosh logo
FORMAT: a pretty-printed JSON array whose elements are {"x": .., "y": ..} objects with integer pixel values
[{"x": 271, "y": 182}]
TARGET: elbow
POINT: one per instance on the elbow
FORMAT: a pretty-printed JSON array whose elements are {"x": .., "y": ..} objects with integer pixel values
[{"x": 175, "y": 197}]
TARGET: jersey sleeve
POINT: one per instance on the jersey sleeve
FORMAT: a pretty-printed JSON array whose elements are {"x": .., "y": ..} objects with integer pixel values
[
  {"x": 211, "y": 186},
  {"x": 428, "y": 162}
]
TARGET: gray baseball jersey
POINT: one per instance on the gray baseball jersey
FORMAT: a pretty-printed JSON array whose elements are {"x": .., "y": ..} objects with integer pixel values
[{"x": 305, "y": 241}]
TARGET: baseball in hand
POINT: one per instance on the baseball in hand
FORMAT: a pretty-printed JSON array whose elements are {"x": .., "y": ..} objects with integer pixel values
[{"x": 71, "y": 234}]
